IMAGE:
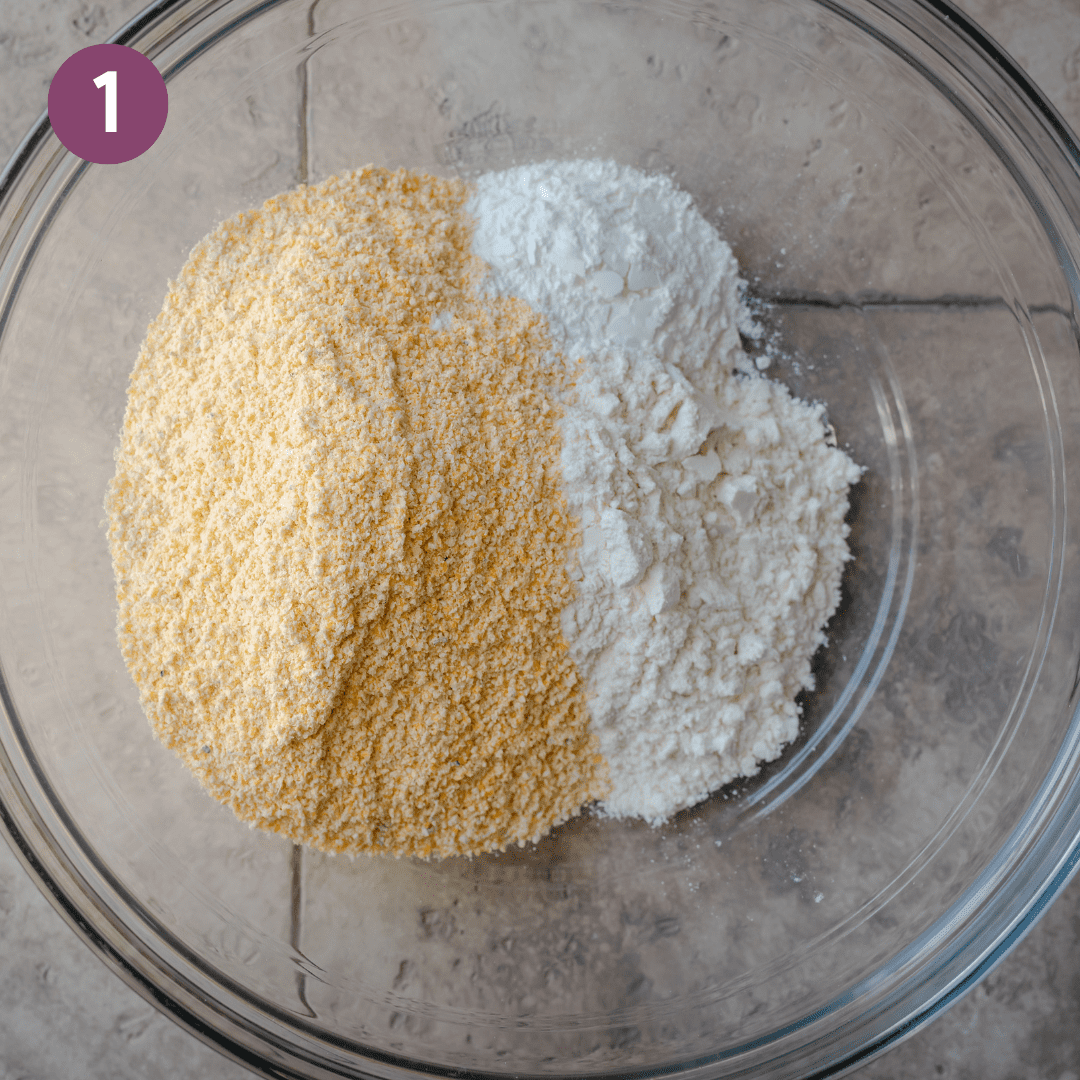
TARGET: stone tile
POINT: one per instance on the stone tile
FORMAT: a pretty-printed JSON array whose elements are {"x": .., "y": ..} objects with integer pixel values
[
  {"x": 62, "y": 1013},
  {"x": 888, "y": 189},
  {"x": 231, "y": 140},
  {"x": 1019, "y": 1023},
  {"x": 35, "y": 39},
  {"x": 599, "y": 937},
  {"x": 65, "y": 1015},
  {"x": 225, "y": 888},
  {"x": 1044, "y": 38}
]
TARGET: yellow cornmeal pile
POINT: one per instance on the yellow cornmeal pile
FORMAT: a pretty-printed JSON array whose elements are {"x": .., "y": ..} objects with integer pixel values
[{"x": 338, "y": 535}]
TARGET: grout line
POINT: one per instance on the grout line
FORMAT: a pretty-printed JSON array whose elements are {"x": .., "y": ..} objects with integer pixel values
[
  {"x": 303, "y": 168},
  {"x": 302, "y": 155},
  {"x": 1068, "y": 314},
  {"x": 886, "y": 302},
  {"x": 881, "y": 300},
  {"x": 1054, "y": 309},
  {"x": 296, "y": 915}
]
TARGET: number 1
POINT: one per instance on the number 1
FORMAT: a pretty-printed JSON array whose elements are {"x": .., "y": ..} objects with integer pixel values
[{"x": 108, "y": 80}]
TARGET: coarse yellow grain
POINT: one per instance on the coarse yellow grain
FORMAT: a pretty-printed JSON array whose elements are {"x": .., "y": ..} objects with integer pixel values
[{"x": 338, "y": 536}]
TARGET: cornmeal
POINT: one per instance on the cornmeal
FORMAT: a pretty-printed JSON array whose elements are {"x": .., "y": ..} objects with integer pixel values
[{"x": 338, "y": 534}]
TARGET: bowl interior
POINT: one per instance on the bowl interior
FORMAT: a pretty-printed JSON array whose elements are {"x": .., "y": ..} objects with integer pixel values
[{"x": 906, "y": 264}]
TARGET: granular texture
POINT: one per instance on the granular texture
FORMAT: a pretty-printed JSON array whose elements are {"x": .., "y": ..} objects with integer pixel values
[
  {"x": 711, "y": 506},
  {"x": 338, "y": 534}
]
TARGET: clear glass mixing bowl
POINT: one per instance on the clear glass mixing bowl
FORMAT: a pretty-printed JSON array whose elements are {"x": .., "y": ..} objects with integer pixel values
[{"x": 904, "y": 205}]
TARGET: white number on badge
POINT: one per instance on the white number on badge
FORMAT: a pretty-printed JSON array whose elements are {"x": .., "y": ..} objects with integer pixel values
[{"x": 108, "y": 80}]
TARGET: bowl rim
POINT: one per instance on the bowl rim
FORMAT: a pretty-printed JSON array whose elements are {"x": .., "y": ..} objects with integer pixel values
[{"x": 236, "y": 1035}]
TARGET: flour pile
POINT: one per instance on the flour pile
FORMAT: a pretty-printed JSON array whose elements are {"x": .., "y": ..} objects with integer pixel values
[
  {"x": 441, "y": 511},
  {"x": 711, "y": 506}
]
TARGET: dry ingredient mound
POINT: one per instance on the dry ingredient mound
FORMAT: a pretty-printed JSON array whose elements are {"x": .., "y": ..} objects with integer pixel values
[
  {"x": 440, "y": 512},
  {"x": 711, "y": 506},
  {"x": 338, "y": 534}
]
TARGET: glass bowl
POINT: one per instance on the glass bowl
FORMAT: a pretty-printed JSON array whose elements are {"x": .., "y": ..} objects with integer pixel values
[{"x": 904, "y": 206}]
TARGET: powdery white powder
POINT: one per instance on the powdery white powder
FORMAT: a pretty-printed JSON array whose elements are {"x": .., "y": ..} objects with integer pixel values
[{"x": 711, "y": 506}]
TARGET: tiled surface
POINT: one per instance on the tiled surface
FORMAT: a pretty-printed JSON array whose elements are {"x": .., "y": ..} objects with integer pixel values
[{"x": 64, "y": 1016}]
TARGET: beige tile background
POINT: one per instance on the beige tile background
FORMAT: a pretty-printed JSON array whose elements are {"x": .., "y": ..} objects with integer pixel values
[{"x": 64, "y": 1016}]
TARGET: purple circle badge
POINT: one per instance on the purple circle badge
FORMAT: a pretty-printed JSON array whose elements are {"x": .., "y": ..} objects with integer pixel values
[{"x": 108, "y": 104}]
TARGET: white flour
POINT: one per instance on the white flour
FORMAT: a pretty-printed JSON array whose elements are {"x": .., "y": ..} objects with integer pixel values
[{"x": 711, "y": 507}]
